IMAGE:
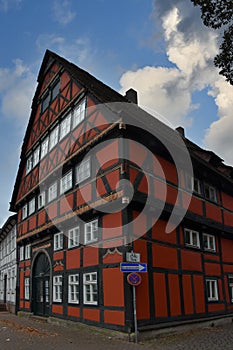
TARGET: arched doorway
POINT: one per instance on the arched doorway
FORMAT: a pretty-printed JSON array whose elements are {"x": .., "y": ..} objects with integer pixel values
[{"x": 41, "y": 285}]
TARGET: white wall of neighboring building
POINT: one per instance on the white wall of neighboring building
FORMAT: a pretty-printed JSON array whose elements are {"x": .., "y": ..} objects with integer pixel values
[{"x": 8, "y": 269}]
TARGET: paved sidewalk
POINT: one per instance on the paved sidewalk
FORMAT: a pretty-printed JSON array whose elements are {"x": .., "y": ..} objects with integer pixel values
[{"x": 21, "y": 333}]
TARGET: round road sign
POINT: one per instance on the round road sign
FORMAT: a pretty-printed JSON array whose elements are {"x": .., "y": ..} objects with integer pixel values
[{"x": 134, "y": 279}]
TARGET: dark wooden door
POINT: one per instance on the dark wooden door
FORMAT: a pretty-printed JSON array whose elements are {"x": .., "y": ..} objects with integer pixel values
[{"x": 41, "y": 286}]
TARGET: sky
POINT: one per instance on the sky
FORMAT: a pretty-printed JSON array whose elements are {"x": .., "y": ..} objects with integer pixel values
[{"x": 159, "y": 48}]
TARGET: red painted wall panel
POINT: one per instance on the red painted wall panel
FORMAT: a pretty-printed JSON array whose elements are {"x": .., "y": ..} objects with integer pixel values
[
  {"x": 113, "y": 287},
  {"x": 91, "y": 314},
  {"x": 212, "y": 269},
  {"x": 73, "y": 259},
  {"x": 191, "y": 260},
  {"x": 73, "y": 311},
  {"x": 57, "y": 309},
  {"x": 164, "y": 257},
  {"x": 174, "y": 290},
  {"x": 188, "y": 295},
  {"x": 159, "y": 232},
  {"x": 199, "y": 294},
  {"x": 90, "y": 256},
  {"x": 160, "y": 295},
  {"x": 114, "y": 317},
  {"x": 213, "y": 212}
]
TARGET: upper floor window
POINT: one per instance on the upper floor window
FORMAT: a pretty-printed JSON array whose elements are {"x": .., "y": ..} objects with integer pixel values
[
  {"x": 52, "y": 192},
  {"x": 212, "y": 289},
  {"x": 193, "y": 184},
  {"x": 209, "y": 242},
  {"x": 31, "y": 206},
  {"x": 21, "y": 253},
  {"x": 44, "y": 147},
  {"x": 50, "y": 95},
  {"x": 27, "y": 251},
  {"x": 83, "y": 171},
  {"x": 65, "y": 126},
  {"x": 79, "y": 113},
  {"x": 41, "y": 200},
  {"x": 29, "y": 164},
  {"x": 73, "y": 237},
  {"x": 66, "y": 182},
  {"x": 91, "y": 232},
  {"x": 24, "y": 211},
  {"x": 210, "y": 193},
  {"x": 36, "y": 156},
  {"x": 58, "y": 241},
  {"x": 53, "y": 139},
  {"x": 191, "y": 238}
]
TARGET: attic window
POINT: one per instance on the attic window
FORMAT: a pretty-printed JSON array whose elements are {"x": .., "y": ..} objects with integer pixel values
[{"x": 50, "y": 95}]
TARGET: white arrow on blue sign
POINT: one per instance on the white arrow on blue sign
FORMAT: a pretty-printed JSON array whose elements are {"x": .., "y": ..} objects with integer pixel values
[{"x": 133, "y": 267}]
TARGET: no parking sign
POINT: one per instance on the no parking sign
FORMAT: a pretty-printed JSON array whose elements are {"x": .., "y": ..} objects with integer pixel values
[{"x": 134, "y": 279}]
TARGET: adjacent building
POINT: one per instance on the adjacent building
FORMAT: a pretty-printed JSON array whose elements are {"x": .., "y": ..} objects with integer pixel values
[
  {"x": 8, "y": 264},
  {"x": 98, "y": 178}
]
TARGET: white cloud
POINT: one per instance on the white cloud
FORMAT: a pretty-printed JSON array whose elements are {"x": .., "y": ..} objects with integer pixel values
[
  {"x": 62, "y": 12},
  {"x": 6, "y": 5},
  {"x": 77, "y": 50},
  {"x": 190, "y": 47},
  {"x": 17, "y": 86}
]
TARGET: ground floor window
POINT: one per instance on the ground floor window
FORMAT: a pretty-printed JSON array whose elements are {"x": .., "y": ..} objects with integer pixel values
[
  {"x": 230, "y": 283},
  {"x": 73, "y": 288},
  {"x": 26, "y": 288},
  {"x": 212, "y": 289},
  {"x": 57, "y": 289},
  {"x": 90, "y": 288}
]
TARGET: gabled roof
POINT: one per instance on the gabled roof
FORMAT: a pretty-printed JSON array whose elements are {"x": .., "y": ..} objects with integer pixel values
[
  {"x": 105, "y": 94},
  {"x": 7, "y": 227}
]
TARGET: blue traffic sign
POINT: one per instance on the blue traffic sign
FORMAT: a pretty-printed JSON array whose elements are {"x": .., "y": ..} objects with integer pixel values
[{"x": 133, "y": 267}]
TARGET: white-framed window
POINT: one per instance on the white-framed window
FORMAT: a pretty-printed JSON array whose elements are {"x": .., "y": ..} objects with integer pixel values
[
  {"x": 31, "y": 206},
  {"x": 53, "y": 138},
  {"x": 73, "y": 237},
  {"x": 57, "y": 289},
  {"x": 27, "y": 288},
  {"x": 24, "y": 211},
  {"x": 209, "y": 242},
  {"x": 45, "y": 102},
  {"x": 44, "y": 147},
  {"x": 58, "y": 241},
  {"x": 210, "y": 193},
  {"x": 41, "y": 200},
  {"x": 83, "y": 170},
  {"x": 21, "y": 253},
  {"x": 65, "y": 126},
  {"x": 212, "y": 289},
  {"x": 36, "y": 156},
  {"x": 52, "y": 192},
  {"x": 66, "y": 182},
  {"x": 73, "y": 289},
  {"x": 91, "y": 232},
  {"x": 230, "y": 284},
  {"x": 191, "y": 238},
  {"x": 90, "y": 290},
  {"x": 193, "y": 184},
  {"x": 79, "y": 113},
  {"x": 27, "y": 251},
  {"x": 29, "y": 164}
]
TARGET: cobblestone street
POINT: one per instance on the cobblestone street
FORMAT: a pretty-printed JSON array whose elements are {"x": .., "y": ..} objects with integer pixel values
[{"x": 27, "y": 333}]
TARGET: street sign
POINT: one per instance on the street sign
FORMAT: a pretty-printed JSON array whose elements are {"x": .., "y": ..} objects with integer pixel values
[
  {"x": 133, "y": 267},
  {"x": 132, "y": 257},
  {"x": 134, "y": 279}
]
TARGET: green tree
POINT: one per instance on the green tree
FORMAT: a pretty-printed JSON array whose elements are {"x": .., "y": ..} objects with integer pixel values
[{"x": 219, "y": 14}]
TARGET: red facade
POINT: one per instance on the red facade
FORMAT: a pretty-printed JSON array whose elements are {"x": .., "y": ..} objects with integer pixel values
[{"x": 78, "y": 157}]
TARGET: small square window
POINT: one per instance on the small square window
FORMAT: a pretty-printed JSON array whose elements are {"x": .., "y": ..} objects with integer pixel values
[
  {"x": 209, "y": 242},
  {"x": 191, "y": 238},
  {"x": 210, "y": 193}
]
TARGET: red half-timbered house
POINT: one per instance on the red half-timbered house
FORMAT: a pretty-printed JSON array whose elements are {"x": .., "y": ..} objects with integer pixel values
[{"x": 78, "y": 215}]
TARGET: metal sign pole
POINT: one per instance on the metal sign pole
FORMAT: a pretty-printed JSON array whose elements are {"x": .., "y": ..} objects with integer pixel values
[{"x": 135, "y": 314}]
